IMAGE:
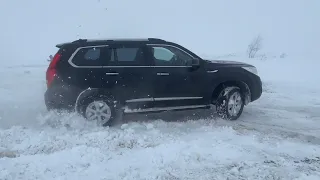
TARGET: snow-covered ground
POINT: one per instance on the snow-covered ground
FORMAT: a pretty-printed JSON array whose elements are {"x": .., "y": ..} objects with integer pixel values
[{"x": 277, "y": 137}]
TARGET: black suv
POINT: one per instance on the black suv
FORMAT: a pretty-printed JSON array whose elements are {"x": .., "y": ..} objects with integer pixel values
[{"x": 102, "y": 79}]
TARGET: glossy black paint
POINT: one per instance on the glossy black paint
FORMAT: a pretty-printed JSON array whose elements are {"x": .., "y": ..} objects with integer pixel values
[{"x": 139, "y": 85}]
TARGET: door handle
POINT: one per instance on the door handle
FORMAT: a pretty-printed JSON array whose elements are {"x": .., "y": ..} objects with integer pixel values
[
  {"x": 213, "y": 71},
  {"x": 112, "y": 74},
  {"x": 163, "y": 74}
]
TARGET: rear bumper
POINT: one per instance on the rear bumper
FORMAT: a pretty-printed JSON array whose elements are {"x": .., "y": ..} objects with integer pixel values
[{"x": 61, "y": 98}]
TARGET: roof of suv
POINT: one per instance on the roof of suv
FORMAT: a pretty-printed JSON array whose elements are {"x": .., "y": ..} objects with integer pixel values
[{"x": 99, "y": 41}]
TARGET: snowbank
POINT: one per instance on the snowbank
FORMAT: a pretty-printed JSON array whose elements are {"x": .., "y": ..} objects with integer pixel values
[
  {"x": 276, "y": 137},
  {"x": 139, "y": 152}
]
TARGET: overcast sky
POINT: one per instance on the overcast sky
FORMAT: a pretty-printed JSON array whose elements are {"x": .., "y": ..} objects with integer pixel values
[{"x": 30, "y": 29}]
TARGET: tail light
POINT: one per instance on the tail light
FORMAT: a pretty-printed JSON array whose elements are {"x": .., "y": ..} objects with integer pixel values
[{"x": 52, "y": 71}]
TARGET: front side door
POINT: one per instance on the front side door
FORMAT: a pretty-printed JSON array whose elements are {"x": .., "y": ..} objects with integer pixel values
[
  {"x": 176, "y": 83},
  {"x": 128, "y": 76}
]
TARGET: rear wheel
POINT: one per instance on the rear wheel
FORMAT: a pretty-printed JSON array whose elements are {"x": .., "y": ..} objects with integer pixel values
[
  {"x": 101, "y": 110},
  {"x": 230, "y": 103}
]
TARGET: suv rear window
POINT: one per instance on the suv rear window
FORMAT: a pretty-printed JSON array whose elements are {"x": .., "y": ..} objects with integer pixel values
[
  {"x": 90, "y": 56},
  {"x": 106, "y": 56}
]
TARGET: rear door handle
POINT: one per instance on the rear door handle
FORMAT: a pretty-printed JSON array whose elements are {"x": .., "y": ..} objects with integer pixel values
[
  {"x": 163, "y": 74},
  {"x": 213, "y": 71},
  {"x": 112, "y": 74}
]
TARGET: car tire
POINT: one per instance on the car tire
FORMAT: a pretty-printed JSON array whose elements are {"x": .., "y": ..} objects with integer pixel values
[
  {"x": 104, "y": 110},
  {"x": 230, "y": 103}
]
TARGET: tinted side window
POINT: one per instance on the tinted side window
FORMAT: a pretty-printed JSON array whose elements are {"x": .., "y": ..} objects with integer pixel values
[
  {"x": 127, "y": 56},
  {"x": 162, "y": 54},
  {"x": 90, "y": 56},
  {"x": 170, "y": 56}
]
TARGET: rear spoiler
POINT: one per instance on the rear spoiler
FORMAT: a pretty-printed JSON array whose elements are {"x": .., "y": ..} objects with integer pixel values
[
  {"x": 60, "y": 45},
  {"x": 73, "y": 42}
]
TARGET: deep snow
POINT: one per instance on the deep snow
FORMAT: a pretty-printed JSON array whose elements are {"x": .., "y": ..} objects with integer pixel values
[{"x": 277, "y": 137}]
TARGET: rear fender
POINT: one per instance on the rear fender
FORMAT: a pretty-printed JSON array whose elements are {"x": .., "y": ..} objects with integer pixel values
[
  {"x": 84, "y": 94},
  {"x": 91, "y": 92}
]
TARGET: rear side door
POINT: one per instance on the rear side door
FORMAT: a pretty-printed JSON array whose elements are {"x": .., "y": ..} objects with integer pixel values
[
  {"x": 128, "y": 75},
  {"x": 176, "y": 82}
]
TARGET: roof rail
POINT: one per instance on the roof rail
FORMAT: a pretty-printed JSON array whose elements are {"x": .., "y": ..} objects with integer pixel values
[
  {"x": 124, "y": 39},
  {"x": 92, "y": 40},
  {"x": 118, "y": 39},
  {"x": 156, "y": 39}
]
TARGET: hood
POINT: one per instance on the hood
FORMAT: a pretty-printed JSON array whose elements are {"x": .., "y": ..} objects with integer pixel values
[{"x": 226, "y": 63}]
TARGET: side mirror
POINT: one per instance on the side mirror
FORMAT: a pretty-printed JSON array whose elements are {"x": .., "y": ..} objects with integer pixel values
[{"x": 195, "y": 62}]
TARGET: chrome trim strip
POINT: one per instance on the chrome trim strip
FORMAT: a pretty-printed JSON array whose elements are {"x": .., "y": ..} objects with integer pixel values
[
  {"x": 76, "y": 51},
  {"x": 83, "y": 47},
  {"x": 176, "y": 98},
  {"x": 140, "y": 100},
  {"x": 163, "y": 109},
  {"x": 162, "y": 99}
]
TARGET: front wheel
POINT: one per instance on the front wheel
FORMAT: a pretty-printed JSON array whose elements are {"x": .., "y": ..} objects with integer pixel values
[{"x": 230, "y": 103}]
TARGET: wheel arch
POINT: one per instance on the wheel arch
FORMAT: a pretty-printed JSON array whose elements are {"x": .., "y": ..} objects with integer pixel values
[
  {"x": 90, "y": 92},
  {"x": 244, "y": 88}
]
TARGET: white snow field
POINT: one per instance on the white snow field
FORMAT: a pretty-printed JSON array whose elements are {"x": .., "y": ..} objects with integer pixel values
[{"x": 277, "y": 137}]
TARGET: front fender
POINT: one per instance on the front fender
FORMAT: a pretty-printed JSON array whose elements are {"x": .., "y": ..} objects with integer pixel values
[{"x": 220, "y": 85}]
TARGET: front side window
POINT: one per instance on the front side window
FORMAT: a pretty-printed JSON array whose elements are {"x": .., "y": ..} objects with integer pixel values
[
  {"x": 162, "y": 54},
  {"x": 170, "y": 56}
]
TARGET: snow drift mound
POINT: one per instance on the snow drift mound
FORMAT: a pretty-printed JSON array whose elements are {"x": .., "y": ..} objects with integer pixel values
[{"x": 157, "y": 150}]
